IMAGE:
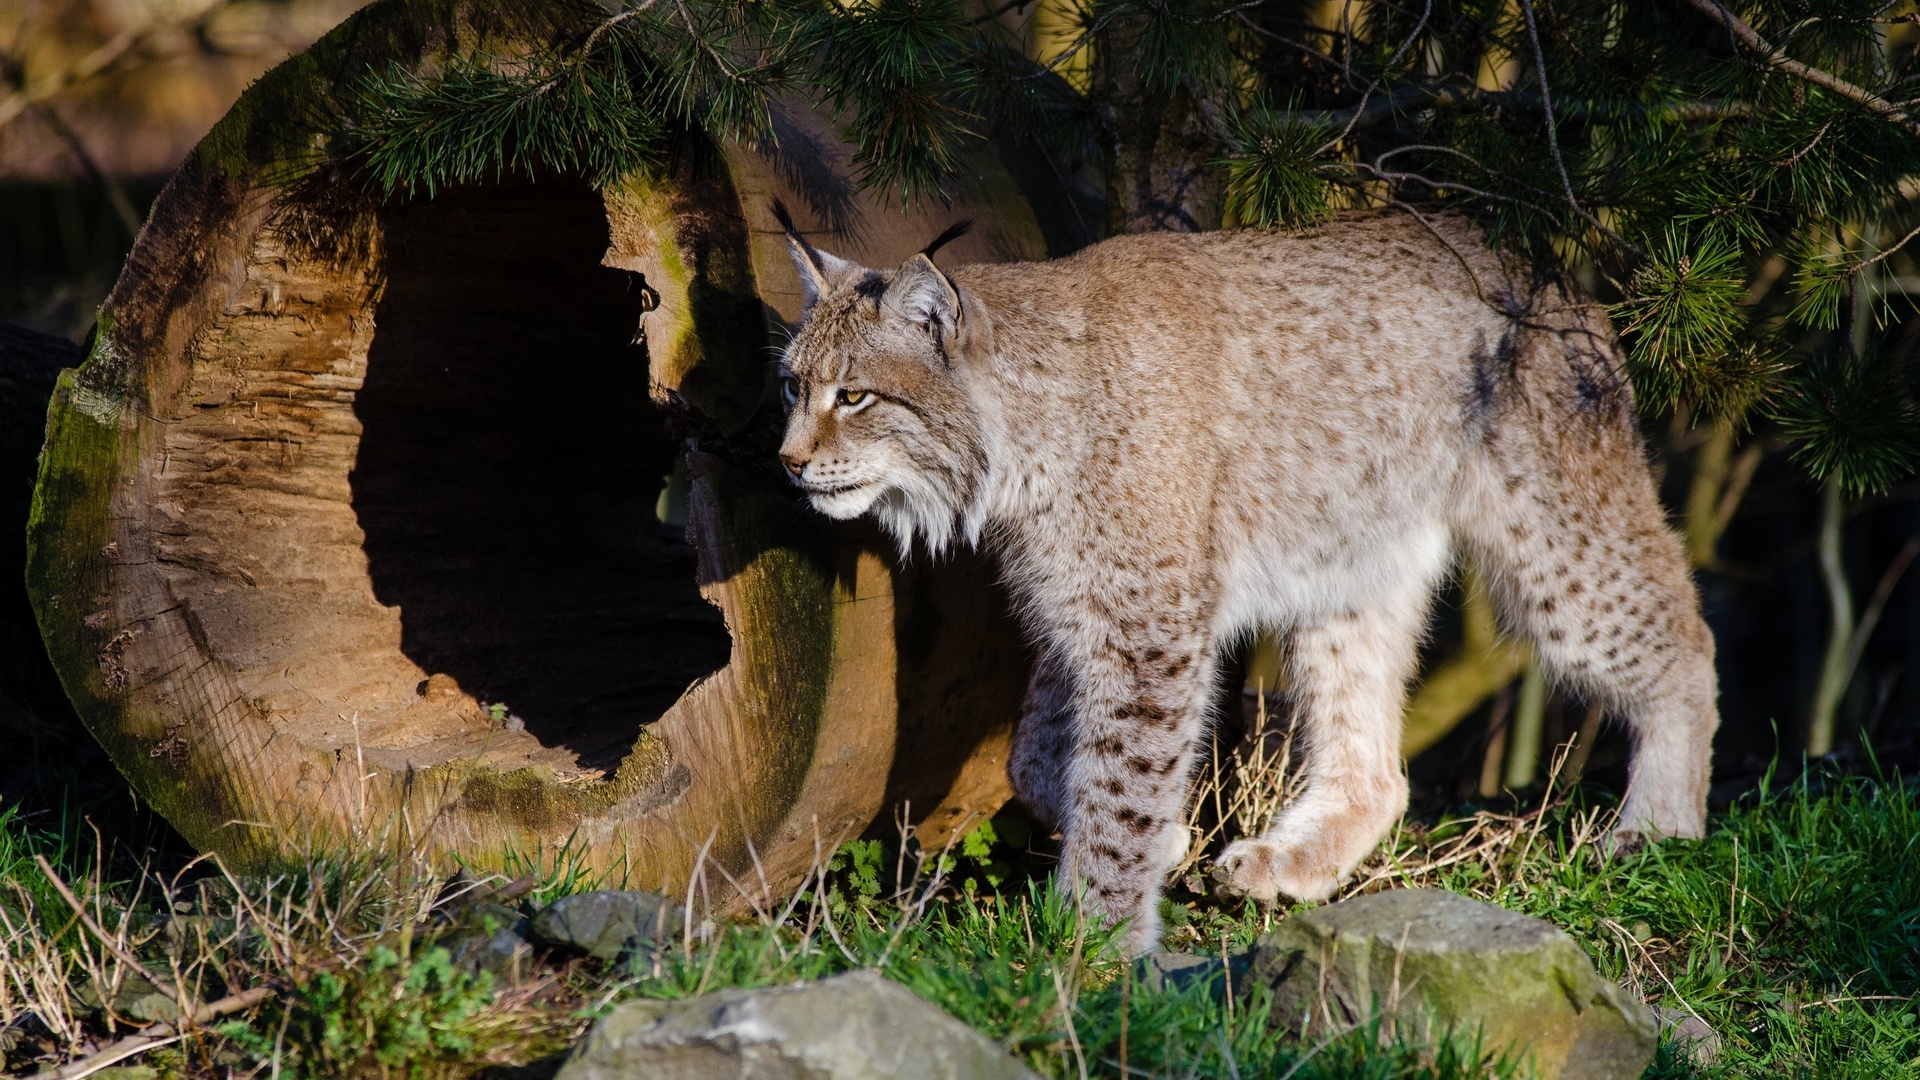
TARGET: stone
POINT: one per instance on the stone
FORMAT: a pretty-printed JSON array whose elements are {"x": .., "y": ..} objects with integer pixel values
[
  {"x": 857, "y": 1026},
  {"x": 606, "y": 924},
  {"x": 1439, "y": 961},
  {"x": 1694, "y": 1038},
  {"x": 488, "y": 936},
  {"x": 134, "y": 999},
  {"x": 1160, "y": 971},
  {"x": 484, "y": 926}
]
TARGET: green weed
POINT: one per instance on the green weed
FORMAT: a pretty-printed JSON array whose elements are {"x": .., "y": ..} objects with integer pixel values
[{"x": 394, "y": 1016}]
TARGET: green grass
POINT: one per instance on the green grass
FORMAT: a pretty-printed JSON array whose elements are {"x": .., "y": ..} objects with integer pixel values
[{"x": 1793, "y": 930}]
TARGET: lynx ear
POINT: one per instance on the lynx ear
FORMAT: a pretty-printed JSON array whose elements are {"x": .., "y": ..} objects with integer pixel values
[
  {"x": 818, "y": 270},
  {"x": 926, "y": 297}
]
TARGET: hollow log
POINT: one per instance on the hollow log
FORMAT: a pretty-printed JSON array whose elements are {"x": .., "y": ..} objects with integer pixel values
[{"x": 452, "y": 522}]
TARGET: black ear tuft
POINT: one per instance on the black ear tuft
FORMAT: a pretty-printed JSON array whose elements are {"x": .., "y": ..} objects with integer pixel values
[
  {"x": 954, "y": 232},
  {"x": 785, "y": 219}
]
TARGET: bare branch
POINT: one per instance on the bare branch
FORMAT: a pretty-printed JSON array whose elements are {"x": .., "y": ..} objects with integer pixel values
[
  {"x": 158, "y": 1035},
  {"x": 116, "y": 195},
  {"x": 1302, "y": 46},
  {"x": 1885, "y": 252},
  {"x": 1458, "y": 92},
  {"x": 1546, "y": 103}
]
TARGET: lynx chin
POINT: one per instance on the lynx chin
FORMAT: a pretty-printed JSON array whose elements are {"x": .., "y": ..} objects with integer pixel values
[{"x": 1172, "y": 440}]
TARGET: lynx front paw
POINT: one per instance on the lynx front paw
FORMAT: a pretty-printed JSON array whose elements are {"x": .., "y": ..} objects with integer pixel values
[
  {"x": 1649, "y": 821},
  {"x": 1621, "y": 842},
  {"x": 1264, "y": 870}
]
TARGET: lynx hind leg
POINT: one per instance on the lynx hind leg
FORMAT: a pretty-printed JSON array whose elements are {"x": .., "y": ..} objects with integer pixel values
[
  {"x": 1043, "y": 742},
  {"x": 1580, "y": 558},
  {"x": 1349, "y": 686}
]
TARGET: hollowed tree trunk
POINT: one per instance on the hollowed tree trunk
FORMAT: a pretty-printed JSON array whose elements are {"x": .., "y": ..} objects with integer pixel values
[{"x": 452, "y": 522}]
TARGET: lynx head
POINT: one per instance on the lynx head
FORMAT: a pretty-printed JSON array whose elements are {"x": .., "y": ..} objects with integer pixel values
[{"x": 877, "y": 418}]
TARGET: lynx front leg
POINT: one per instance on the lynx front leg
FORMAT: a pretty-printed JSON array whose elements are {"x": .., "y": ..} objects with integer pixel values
[
  {"x": 1137, "y": 717},
  {"x": 1349, "y": 681}
]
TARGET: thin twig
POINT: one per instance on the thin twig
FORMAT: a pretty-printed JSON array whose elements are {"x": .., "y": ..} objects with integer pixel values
[
  {"x": 1546, "y": 104},
  {"x": 1283, "y": 39},
  {"x": 1845, "y": 999},
  {"x": 1885, "y": 252},
  {"x": 1361, "y": 108},
  {"x": 111, "y": 945},
  {"x": 1877, "y": 606},
  {"x": 600, "y": 31},
  {"x": 116, "y": 195},
  {"x": 1626, "y": 935},
  {"x": 1448, "y": 244},
  {"x": 158, "y": 1035}
]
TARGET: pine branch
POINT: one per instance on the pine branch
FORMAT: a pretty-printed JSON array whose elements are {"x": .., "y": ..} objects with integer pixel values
[
  {"x": 1776, "y": 58},
  {"x": 1457, "y": 92}
]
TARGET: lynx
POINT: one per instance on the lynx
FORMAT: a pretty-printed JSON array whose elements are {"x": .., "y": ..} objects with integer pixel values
[{"x": 1173, "y": 440}]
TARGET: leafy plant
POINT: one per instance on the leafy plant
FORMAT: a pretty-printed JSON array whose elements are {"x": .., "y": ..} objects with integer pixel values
[
  {"x": 855, "y": 870},
  {"x": 393, "y": 1015}
]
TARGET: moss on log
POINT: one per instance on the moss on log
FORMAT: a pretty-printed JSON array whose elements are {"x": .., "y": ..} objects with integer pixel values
[{"x": 450, "y": 523}]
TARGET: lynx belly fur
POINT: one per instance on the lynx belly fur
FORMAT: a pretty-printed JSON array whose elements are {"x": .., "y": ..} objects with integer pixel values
[{"x": 1172, "y": 440}]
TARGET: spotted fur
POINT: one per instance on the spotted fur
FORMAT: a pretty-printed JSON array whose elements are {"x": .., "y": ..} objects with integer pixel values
[{"x": 1174, "y": 440}]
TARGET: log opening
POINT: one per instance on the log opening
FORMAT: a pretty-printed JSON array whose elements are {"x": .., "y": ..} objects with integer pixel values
[
  {"x": 512, "y": 473},
  {"x": 340, "y": 478}
]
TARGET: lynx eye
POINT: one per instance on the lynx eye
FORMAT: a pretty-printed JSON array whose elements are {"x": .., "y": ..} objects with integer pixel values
[
  {"x": 852, "y": 397},
  {"x": 789, "y": 391}
]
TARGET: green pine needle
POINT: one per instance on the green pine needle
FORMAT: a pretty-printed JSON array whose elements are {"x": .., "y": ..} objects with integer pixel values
[
  {"x": 1272, "y": 177},
  {"x": 1854, "y": 417},
  {"x": 1683, "y": 314},
  {"x": 903, "y": 68},
  {"x": 1821, "y": 284},
  {"x": 475, "y": 122}
]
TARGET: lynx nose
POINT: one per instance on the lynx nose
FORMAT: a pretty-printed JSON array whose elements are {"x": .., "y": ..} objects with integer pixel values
[{"x": 794, "y": 462}]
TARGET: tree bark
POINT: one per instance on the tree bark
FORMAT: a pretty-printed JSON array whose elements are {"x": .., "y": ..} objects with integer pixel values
[
  {"x": 451, "y": 523},
  {"x": 1160, "y": 176}
]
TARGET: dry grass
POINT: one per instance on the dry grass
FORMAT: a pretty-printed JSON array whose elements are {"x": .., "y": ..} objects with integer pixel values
[{"x": 95, "y": 971}]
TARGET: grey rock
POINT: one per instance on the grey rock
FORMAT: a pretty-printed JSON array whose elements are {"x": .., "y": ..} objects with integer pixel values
[
  {"x": 497, "y": 954},
  {"x": 606, "y": 924},
  {"x": 1177, "y": 971},
  {"x": 1699, "y": 1042},
  {"x": 1430, "y": 961},
  {"x": 850, "y": 1027},
  {"x": 134, "y": 999},
  {"x": 484, "y": 935}
]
